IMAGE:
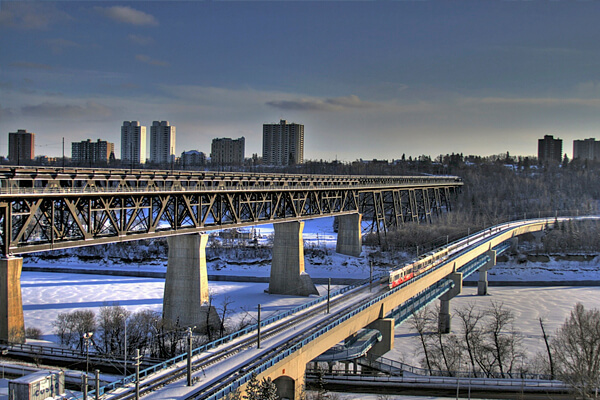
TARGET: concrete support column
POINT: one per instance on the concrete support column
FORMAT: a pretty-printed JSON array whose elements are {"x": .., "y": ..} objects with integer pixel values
[
  {"x": 514, "y": 244},
  {"x": 287, "y": 268},
  {"x": 386, "y": 327},
  {"x": 12, "y": 324},
  {"x": 444, "y": 324},
  {"x": 186, "y": 299},
  {"x": 349, "y": 238},
  {"x": 482, "y": 285}
]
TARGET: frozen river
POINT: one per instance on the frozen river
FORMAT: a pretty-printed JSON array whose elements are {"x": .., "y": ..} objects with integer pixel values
[{"x": 45, "y": 295}]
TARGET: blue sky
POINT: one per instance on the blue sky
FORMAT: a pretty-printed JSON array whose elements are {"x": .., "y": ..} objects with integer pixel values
[{"x": 367, "y": 79}]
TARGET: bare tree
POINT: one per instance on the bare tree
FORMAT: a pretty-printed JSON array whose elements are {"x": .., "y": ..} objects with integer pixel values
[
  {"x": 504, "y": 339},
  {"x": 224, "y": 312},
  {"x": 420, "y": 322},
  {"x": 577, "y": 349},
  {"x": 111, "y": 330},
  {"x": 71, "y": 326},
  {"x": 548, "y": 349},
  {"x": 469, "y": 319}
]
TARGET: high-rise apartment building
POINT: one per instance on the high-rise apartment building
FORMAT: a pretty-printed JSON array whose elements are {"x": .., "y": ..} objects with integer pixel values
[
  {"x": 588, "y": 149},
  {"x": 21, "y": 146},
  {"x": 133, "y": 143},
  {"x": 227, "y": 151},
  {"x": 283, "y": 143},
  {"x": 549, "y": 149},
  {"x": 92, "y": 153},
  {"x": 162, "y": 142}
]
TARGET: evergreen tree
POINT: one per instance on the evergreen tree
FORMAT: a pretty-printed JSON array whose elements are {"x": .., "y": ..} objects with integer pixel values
[
  {"x": 253, "y": 389},
  {"x": 268, "y": 390}
]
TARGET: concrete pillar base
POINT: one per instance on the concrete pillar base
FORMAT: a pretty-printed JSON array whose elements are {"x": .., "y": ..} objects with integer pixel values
[
  {"x": 12, "y": 323},
  {"x": 482, "y": 285},
  {"x": 349, "y": 239},
  {"x": 186, "y": 283},
  {"x": 287, "y": 268},
  {"x": 445, "y": 318},
  {"x": 386, "y": 327}
]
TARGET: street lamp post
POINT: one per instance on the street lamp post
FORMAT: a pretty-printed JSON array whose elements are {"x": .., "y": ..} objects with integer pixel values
[
  {"x": 87, "y": 337},
  {"x": 125, "y": 347}
]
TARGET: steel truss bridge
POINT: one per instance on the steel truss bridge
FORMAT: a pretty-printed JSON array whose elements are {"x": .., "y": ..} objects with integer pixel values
[{"x": 53, "y": 208}]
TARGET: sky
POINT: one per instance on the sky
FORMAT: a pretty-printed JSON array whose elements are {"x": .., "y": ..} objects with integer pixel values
[{"x": 367, "y": 79}]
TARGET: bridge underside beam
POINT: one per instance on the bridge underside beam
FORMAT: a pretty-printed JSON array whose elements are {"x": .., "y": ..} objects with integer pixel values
[
  {"x": 12, "y": 324},
  {"x": 287, "y": 268}
]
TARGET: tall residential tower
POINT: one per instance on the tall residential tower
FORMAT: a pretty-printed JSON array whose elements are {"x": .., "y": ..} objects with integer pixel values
[
  {"x": 549, "y": 149},
  {"x": 283, "y": 143},
  {"x": 21, "y": 146},
  {"x": 133, "y": 143},
  {"x": 162, "y": 142}
]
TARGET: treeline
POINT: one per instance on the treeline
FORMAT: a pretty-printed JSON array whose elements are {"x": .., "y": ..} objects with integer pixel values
[
  {"x": 485, "y": 343},
  {"x": 115, "y": 329},
  {"x": 495, "y": 191}
]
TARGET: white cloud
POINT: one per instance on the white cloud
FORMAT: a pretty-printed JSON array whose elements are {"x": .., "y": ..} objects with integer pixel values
[
  {"x": 152, "y": 61},
  {"x": 536, "y": 101},
  {"x": 128, "y": 15},
  {"x": 328, "y": 104},
  {"x": 140, "y": 39},
  {"x": 30, "y": 15},
  {"x": 68, "y": 111}
]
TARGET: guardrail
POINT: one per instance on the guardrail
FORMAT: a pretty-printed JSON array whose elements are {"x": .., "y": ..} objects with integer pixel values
[
  {"x": 376, "y": 362},
  {"x": 509, "y": 384},
  {"x": 6, "y": 191}
]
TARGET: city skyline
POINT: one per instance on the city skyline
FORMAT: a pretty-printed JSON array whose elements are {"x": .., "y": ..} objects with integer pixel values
[{"x": 366, "y": 79}]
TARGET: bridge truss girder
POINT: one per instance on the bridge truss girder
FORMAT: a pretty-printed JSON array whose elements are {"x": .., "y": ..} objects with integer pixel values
[
  {"x": 389, "y": 209},
  {"x": 39, "y": 222}
]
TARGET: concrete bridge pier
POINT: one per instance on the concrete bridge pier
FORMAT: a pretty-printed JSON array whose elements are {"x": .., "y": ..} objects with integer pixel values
[
  {"x": 287, "y": 268},
  {"x": 349, "y": 238},
  {"x": 186, "y": 297},
  {"x": 482, "y": 285},
  {"x": 444, "y": 324},
  {"x": 12, "y": 323},
  {"x": 386, "y": 327}
]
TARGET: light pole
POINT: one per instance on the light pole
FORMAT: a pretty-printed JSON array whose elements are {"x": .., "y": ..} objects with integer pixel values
[
  {"x": 87, "y": 337},
  {"x": 125, "y": 347}
]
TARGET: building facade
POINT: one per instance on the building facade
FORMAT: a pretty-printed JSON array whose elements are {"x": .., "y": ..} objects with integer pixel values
[
  {"x": 92, "y": 153},
  {"x": 133, "y": 143},
  {"x": 588, "y": 149},
  {"x": 162, "y": 142},
  {"x": 283, "y": 143},
  {"x": 193, "y": 158},
  {"x": 21, "y": 146},
  {"x": 549, "y": 149},
  {"x": 227, "y": 151}
]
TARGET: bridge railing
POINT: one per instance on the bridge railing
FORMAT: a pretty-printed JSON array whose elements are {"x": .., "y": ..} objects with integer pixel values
[
  {"x": 19, "y": 190},
  {"x": 463, "y": 381}
]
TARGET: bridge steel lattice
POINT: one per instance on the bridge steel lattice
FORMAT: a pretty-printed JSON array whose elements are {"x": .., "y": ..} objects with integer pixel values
[{"x": 48, "y": 208}]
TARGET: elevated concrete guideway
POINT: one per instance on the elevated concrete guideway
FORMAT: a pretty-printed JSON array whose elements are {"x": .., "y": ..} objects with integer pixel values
[{"x": 289, "y": 354}]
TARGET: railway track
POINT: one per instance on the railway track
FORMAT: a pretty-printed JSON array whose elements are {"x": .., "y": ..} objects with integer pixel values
[{"x": 207, "y": 359}]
